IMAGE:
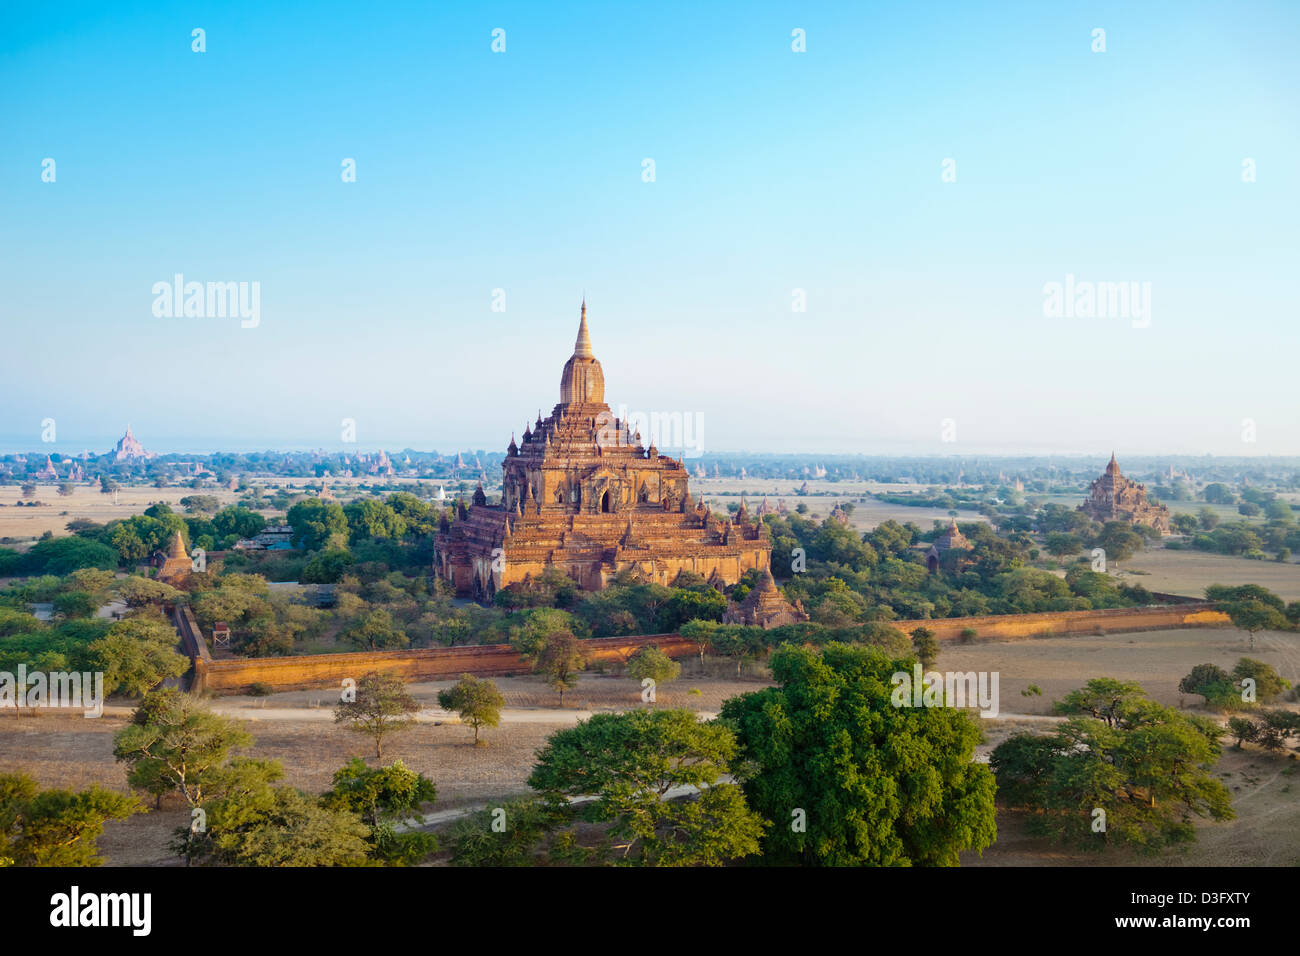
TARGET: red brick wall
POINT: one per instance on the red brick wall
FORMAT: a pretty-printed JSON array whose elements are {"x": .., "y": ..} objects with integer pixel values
[{"x": 485, "y": 660}]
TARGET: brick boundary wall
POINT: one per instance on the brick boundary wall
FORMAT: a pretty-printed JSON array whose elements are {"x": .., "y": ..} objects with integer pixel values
[
  {"x": 192, "y": 643},
  {"x": 1102, "y": 621},
  {"x": 431, "y": 663},
  {"x": 231, "y": 676}
]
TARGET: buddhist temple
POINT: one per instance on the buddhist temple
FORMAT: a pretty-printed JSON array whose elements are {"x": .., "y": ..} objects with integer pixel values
[
  {"x": 176, "y": 565},
  {"x": 128, "y": 448},
  {"x": 764, "y": 606},
  {"x": 952, "y": 540},
  {"x": 1112, "y": 497},
  {"x": 581, "y": 493}
]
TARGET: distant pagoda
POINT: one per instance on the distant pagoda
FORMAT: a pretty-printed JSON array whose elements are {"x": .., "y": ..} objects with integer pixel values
[
  {"x": 129, "y": 449},
  {"x": 1112, "y": 497}
]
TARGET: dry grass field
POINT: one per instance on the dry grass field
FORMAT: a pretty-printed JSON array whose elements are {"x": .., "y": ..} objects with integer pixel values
[
  {"x": 87, "y": 502},
  {"x": 1189, "y": 572},
  {"x": 825, "y": 495}
]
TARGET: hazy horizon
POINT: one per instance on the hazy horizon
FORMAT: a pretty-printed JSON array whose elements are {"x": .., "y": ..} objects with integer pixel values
[{"x": 164, "y": 445}]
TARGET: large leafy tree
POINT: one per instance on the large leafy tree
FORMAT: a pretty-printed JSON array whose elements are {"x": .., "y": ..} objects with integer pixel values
[
  {"x": 138, "y": 592},
  {"x": 55, "y": 827},
  {"x": 375, "y": 630},
  {"x": 374, "y": 519},
  {"x": 317, "y": 524},
  {"x": 538, "y": 624},
  {"x": 1268, "y": 683},
  {"x": 1211, "y": 682},
  {"x": 688, "y": 605},
  {"x": 278, "y": 826},
  {"x": 849, "y": 779},
  {"x": 1119, "y": 540},
  {"x": 137, "y": 654},
  {"x": 175, "y": 743},
  {"x": 1148, "y": 767},
  {"x": 63, "y": 555},
  {"x": 381, "y": 796},
  {"x": 237, "y": 522},
  {"x": 637, "y": 765}
]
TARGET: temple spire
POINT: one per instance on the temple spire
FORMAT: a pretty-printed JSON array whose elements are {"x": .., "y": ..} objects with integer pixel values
[{"x": 582, "y": 347}]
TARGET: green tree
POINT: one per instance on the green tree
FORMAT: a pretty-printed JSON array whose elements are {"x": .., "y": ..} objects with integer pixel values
[
  {"x": 683, "y": 606},
  {"x": 1252, "y": 615},
  {"x": 1217, "y": 493},
  {"x": 1060, "y": 544},
  {"x": 317, "y": 524},
  {"x": 62, "y": 556},
  {"x": 651, "y": 663},
  {"x": 1268, "y": 683},
  {"x": 279, "y": 826},
  {"x": 634, "y": 764},
  {"x": 376, "y": 630},
  {"x": 237, "y": 522},
  {"x": 477, "y": 700},
  {"x": 926, "y": 647},
  {"x": 137, "y": 654},
  {"x": 1274, "y": 727},
  {"x": 210, "y": 504},
  {"x": 382, "y": 796},
  {"x": 139, "y": 592},
  {"x": 1244, "y": 729},
  {"x": 529, "y": 637},
  {"x": 373, "y": 519},
  {"x": 560, "y": 661},
  {"x": 518, "y": 833},
  {"x": 327, "y": 567},
  {"x": 382, "y": 706},
  {"x": 175, "y": 743},
  {"x": 1211, "y": 682},
  {"x": 849, "y": 779},
  {"x": 55, "y": 827},
  {"x": 1148, "y": 767},
  {"x": 1119, "y": 540}
]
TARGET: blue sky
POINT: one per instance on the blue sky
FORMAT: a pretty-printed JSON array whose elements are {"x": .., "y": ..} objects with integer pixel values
[{"x": 775, "y": 171}]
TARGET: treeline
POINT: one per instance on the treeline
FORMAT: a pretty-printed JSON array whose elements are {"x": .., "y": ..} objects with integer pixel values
[{"x": 852, "y": 578}]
